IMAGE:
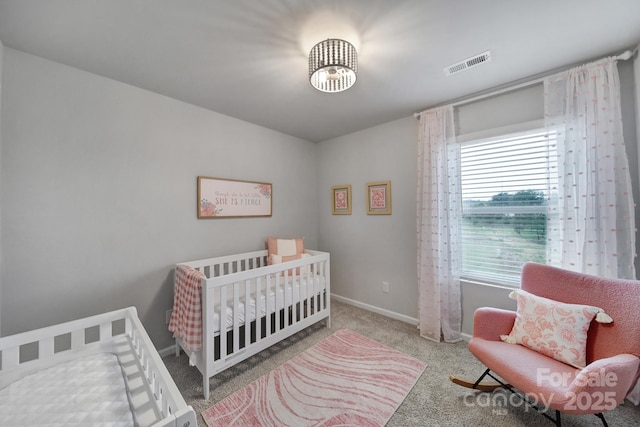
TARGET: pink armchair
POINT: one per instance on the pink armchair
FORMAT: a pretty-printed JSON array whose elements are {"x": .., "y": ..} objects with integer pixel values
[{"x": 612, "y": 349}]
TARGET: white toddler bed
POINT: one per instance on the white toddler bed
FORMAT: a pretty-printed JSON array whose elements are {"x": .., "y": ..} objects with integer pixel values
[
  {"x": 254, "y": 304},
  {"x": 100, "y": 370}
]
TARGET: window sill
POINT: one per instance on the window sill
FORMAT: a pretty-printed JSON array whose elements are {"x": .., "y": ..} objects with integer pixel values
[{"x": 465, "y": 281}]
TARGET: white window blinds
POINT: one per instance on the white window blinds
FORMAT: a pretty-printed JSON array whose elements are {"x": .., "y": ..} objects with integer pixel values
[{"x": 507, "y": 186}]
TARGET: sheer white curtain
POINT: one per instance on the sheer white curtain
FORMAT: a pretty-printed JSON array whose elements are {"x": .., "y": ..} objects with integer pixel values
[
  {"x": 437, "y": 226},
  {"x": 596, "y": 232}
]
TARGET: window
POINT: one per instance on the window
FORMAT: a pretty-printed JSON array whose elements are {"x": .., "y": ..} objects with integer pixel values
[{"x": 507, "y": 185}]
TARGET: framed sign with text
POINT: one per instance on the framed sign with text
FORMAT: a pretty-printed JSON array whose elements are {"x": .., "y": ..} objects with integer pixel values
[{"x": 230, "y": 198}]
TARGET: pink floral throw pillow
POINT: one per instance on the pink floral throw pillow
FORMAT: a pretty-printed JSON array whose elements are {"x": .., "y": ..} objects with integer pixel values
[{"x": 553, "y": 328}]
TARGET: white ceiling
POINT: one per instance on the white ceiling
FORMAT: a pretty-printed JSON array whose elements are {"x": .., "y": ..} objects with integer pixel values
[{"x": 248, "y": 58}]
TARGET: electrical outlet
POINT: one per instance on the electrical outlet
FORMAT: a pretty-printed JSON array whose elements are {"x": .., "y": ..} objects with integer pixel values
[
  {"x": 385, "y": 287},
  {"x": 168, "y": 316}
]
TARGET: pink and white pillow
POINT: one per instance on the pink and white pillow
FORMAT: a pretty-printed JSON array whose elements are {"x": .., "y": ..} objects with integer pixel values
[
  {"x": 553, "y": 328},
  {"x": 284, "y": 248}
]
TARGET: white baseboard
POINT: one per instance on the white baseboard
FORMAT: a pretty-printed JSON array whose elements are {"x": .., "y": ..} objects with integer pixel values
[
  {"x": 167, "y": 351},
  {"x": 378, "y": 310}
]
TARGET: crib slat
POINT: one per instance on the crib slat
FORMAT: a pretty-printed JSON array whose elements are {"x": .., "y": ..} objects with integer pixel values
[
  {"x": 304, "y": 298},
  {"x": 236, "y": 318},
  {"x": 311, "y": 291},
  {"x": 295, "y": 282},
  {"x": 268, "y": 305},
  {"x": 311, "y": 281},
  {"x": 290, "y": 304},
  {"x": 258, "y": 307},
  {"x": 283, "y": 287},
  {"x": 222, "y": 309},
  {"x": 321, "y": 276},
  {"x": 317, "y": 290},
  {"x": 316, "y": 287},
  {"x": 247, "y": 312},
  {"x": 325, "y": 272}
]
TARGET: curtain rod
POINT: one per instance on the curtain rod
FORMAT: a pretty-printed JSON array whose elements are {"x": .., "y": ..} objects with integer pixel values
[{"x": 627, "y": 54}]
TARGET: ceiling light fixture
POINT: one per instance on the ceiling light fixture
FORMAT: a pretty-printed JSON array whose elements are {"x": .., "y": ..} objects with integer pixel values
[{"x": 333, "y": 65}]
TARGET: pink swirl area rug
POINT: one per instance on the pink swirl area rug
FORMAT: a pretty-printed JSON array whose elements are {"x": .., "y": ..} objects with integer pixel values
[{"x": 344, "y": 380}]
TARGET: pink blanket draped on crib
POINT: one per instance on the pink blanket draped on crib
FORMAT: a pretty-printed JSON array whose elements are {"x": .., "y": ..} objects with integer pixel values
[{"x": 186, "y": 317}]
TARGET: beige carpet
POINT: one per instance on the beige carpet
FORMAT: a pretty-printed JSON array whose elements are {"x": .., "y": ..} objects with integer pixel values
[{"x": 433, "y": 401}]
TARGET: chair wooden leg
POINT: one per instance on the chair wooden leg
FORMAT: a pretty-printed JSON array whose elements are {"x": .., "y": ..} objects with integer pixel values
[{"x": 478, "y": 384}]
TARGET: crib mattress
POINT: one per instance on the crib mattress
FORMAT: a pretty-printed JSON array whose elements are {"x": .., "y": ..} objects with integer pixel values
[
  {"x": 90, "y": 390},
  {"x": 276, "y": 301}
]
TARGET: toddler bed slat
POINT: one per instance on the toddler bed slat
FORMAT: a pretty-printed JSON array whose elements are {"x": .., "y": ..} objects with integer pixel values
[
  {"x": 46, "y": 347},
  {"x": 10, "y": 358},
  {"x": 77, "y": 340},
  {"x": 248, "y": 305}
]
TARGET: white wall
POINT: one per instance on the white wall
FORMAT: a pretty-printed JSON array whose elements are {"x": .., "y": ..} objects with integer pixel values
[{"x": 98, "y": 184}]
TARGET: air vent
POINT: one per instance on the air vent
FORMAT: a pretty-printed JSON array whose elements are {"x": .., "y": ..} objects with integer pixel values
[{"x": 474, "y": 61}]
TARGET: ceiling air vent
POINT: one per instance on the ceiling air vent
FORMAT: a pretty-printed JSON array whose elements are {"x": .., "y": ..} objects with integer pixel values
[{"x": 467, "y": 63}]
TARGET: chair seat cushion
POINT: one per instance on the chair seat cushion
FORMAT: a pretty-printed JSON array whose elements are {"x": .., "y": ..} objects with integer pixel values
[{"x": 544, "y": 379}]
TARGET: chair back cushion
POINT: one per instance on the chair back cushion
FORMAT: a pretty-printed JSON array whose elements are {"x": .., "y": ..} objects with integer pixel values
[{"x": 619, "y": 298}]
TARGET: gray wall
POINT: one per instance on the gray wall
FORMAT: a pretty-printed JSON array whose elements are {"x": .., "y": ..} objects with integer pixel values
[
  {"x": 98, "y": 193},
  {"x": 1, "y": 53},
  {"x": 366, "y": 250},
  {"x": 98, "y": 187},
  {"x": 626, "y": 70},
  {"x": 636, "y": 164}
]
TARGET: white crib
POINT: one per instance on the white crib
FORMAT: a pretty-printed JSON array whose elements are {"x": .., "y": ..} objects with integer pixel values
[
  {"x": 149, "y": 392},
  {"x": 248, "y": 306}
]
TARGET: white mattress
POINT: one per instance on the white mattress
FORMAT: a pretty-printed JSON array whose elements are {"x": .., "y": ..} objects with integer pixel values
[
  {"x": 88, "y": 391},
  {"x": 276, "y": 301}
]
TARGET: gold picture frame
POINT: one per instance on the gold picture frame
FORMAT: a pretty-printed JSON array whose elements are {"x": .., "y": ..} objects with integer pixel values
[
  {"x": 379, "y": 198},
  {"x": 341, "y": 200}
]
